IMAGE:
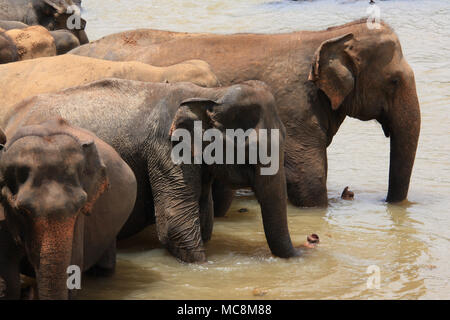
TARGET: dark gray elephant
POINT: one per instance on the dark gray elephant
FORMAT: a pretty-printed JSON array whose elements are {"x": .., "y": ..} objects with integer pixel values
[
  {"x": 65, "y": 195},
  {"x": 52, "y": 14},
  {"x": 138, "y": 118}
]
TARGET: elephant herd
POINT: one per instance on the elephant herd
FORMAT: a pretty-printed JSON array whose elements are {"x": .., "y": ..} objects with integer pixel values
[{"x": 86, "y": 143}]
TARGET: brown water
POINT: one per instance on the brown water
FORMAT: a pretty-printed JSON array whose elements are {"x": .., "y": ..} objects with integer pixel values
[{"x": 409, "y": 243}]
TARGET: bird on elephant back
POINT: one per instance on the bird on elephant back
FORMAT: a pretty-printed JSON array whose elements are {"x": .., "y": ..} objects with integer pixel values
[
  {"x": 64, "y": 196},
  {"x": 51, "y": 14},
  {"x": 318, "y": 79},
  {"x": 28, "y": 78},
  {"x": 140, "y": 120}
]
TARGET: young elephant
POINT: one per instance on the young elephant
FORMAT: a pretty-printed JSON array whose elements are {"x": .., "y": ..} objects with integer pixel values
[
  {"x": 138, "y": 118},
  {"x": 65, "y": 195},
  {"x": 33, "y": 42}
]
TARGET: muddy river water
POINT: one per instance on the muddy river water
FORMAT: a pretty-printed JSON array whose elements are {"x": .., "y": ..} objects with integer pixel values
[{"x": 408, "y": 243}]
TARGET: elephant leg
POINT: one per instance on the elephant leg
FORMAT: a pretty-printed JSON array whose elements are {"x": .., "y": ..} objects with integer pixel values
[
  {"x": 222, "y": 197},
  {"x": 306, "y": 175},
  {"x": 106, "y": 266},
  {"x": 176, "y": 194},
  {"x": 9, "y": 266},
  {"x": 206, "y": 208}
]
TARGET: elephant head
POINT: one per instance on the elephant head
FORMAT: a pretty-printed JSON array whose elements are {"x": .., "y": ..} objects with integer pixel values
[
  {"x": 366, "y": 76},
  {"x": 247, "y": 112},
  {"x": 50, "y": 177},
  {"x": 61, "y": 14}
]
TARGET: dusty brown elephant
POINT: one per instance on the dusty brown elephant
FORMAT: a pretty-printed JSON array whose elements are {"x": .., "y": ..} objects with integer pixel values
[
  {"x": 318, "y": 78},
  {"x": 65, "y": 195},
  {"x": 32, "y": 42},
  {"x": 28, "y": 78},
  {"x": 64, "y": 39}
]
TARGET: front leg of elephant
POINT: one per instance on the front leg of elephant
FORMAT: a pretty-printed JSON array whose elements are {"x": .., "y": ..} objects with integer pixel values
[
  {"x": 9, "y": 265},
  {"x": 306, "y": 174},
  {"x": 176, "y": 193},
  {"x": 222, "y": 198}
]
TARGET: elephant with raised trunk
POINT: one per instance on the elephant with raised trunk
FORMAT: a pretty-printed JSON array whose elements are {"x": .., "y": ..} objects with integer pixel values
[
  {"x": 318, "y": 79},
  {"x": 65, "y": 195},
  {"x": 51, "y": 14},
  {"x": 138, "y": 119}
]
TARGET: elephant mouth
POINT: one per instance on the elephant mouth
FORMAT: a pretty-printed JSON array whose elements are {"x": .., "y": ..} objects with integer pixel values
[{"x": 384, "y": 121}]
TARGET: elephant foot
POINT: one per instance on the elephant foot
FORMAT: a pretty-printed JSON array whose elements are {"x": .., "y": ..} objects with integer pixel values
[{"x": 189, "y": 256}]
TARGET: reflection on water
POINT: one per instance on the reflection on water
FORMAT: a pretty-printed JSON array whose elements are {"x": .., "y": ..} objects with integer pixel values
[{"x": 409, "y": 242}]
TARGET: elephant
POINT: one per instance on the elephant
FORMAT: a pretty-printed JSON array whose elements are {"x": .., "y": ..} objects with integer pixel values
[
  {"x": 318, "y": 78},
  {"x": 64, "y": 41},
  {"x": 8, "y": 25},
  {"x": 65, "y": 195},
  {"x": 33, "y": 42},
  {"x": 51, "y": 14},
  {"x": 8, "y": 50},
  {"x": 28, "y": 78},
  {"x": 139, "y": 119}
]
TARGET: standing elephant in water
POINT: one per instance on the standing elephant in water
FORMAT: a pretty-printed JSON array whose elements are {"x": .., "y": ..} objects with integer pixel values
[
  {"x": 318, "y": 79},
  {"x": 51, "y": 14},
  {"x": 138, "y": 119},
  {"x": 65, "y": 195}
]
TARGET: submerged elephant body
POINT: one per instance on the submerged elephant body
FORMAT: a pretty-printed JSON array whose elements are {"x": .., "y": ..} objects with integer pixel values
[
  {"x": 318, "y": 78},
  {"x": 65, "y": 195},
  {"x": 51, "y": 14},
  {"x": 28, "y": 78},
  {"x": 137, "y": 118}
]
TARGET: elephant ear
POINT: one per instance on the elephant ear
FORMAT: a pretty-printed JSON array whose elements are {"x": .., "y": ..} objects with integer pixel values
[
  {"x": 331, "y": 69},
  {"x": 191, "y": 110},
  {"x": 94, "y": 179}
]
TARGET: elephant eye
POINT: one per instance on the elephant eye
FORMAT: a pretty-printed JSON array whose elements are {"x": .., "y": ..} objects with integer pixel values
[{"x": 395, "y": 81}]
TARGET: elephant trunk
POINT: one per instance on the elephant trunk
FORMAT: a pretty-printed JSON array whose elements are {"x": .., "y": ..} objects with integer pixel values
[
  {"x": 56, "y": 240},
  {"x": 272, "y": 196},
  {"x": 404, "y": 129}
]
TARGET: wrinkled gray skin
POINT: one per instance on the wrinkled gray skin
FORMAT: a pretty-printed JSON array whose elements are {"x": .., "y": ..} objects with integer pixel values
[
  {"x": 65, "y": 195},
  {"x": 8, "y": 50},
  {"x": 52, "y": 14},
  {"x": 136, "y": 117}
]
